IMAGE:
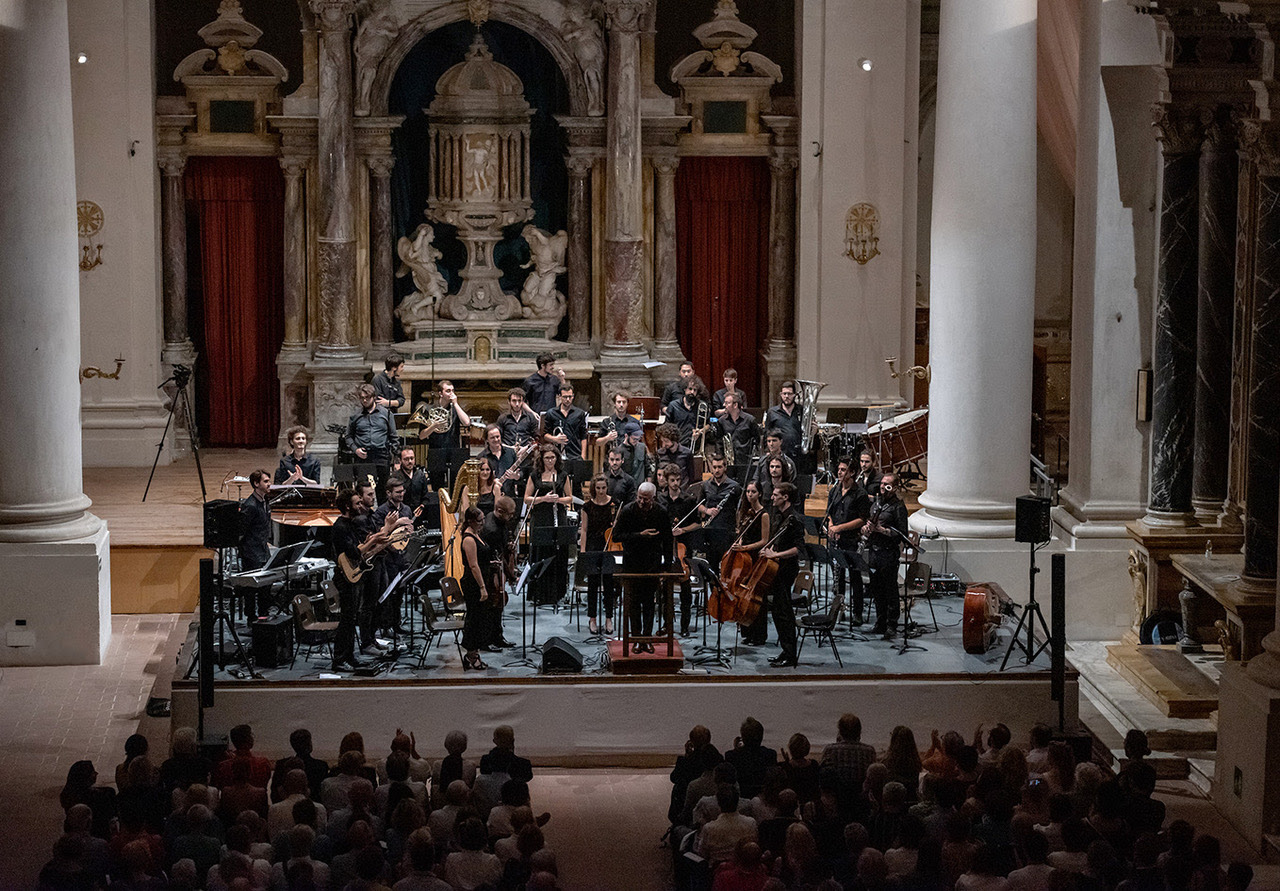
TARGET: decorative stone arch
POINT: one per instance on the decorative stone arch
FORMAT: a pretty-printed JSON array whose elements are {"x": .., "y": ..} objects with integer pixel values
[{"x": 512, "y": 12}]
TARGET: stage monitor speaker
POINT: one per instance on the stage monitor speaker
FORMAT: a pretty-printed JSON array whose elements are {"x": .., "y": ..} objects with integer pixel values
[
  {"x": 1058, "y": 631},
  {"x": 273, "y": 641},
  {"x": 221, "y": 523},
  {"x": 560, "y": 655},
  {"x": 1031, "y": 519},
  {"x": 204, "y": 633}
]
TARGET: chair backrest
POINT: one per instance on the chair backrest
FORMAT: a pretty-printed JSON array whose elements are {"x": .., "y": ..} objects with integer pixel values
[
  {"x": 804, "y": 583},
  {"x": 428, "y": 610},
  {"x": 331, "y": 595},
  {"x": 918, "y": 575},
  {"x": 833, "y": 610},
  {"x": 302, "y": 610},
  {"x": 451, "y": 593}
]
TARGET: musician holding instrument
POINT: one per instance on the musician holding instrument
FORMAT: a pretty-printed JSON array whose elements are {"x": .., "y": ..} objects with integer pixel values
[
  {"x": 598, "y": 513},
  {"x": 868, "y": 476},
  {"x": 635, "y": 457},
  {"x": 719, "y": 499},
  {"x": 548, "y": 497},
  {"x": 673, "y": 391},
  {"x": 518, "y": 423},
  {"x": 566, "y": 424},
  {"x": 498, "y": 533},
  {"x": 255, "y": 532},
  {"x": 773, "y": 449},
  {"x": 478, "y": 588},
  {"x": 670, "y": 451},
  {"x": 500, "y": 458},
  {"x": 681, "y": 504},
  {"x": 775, "y": 470},
  {"x": 393, "y": 511},
  {"x": 540, "y": 388},
  {"x": 754, "y": 524},
  {"x": 785, "y": 418},
  {"x": 885, "y": 533},
  {"x": 621, "y": 485},
  {"x": 386, "y": 383},
  {"x": 416, "y": 488},
  {"x": 487, "y": 490},
  {"x": 848, "y": 509},
  {"x": 737, "y": 430},
  {"x": 644, "y": 531},
  {"x": 615, "y": 427},
  {"x": 350, "y": 539},
  {"x": 785, "y": 549},
  {"x": 691, "y": 413},
  {"x": 370, "y": 591},
  {"x": 296, "y": 466},
  {"x": 730, "y": 378},
  {"x": 371, "y": 432}
]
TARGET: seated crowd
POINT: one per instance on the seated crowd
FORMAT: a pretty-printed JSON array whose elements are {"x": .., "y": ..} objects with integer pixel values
[
  {"x": 985, "y": 814},
  {"x": 401, "y": 822}
]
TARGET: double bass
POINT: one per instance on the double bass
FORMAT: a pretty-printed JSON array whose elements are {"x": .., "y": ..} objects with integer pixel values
[{"x": 735, "y": 568}]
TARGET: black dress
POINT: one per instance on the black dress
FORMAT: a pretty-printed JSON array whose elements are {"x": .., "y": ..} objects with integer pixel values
[
  {"x": 599, "y": 518},
  {"x": 543, "y": 520},
  {"x": 473, "y": 635}
]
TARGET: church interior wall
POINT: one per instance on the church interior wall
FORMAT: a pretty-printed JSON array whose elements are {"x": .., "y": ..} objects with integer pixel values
[
  {"x": 113, "y": 105},
  {"x": 848, "y": 317}
]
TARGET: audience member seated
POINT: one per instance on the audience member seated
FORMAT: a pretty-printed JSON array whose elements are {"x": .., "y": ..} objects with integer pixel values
[
  {"x": 751, "y": 758},
  {"x": 800, "y": 865},
  {"x": 133, "y": 828},
  {"x": 690, "y": 765},
  {"x": 773, "y": 830},
  {"x": 419, "y": 864},
  {"x": 406, "y": 818},
  {"x": 471, "y": 866},
  {"x": 240, "y": 793},
  {"x": 517, "y": 871},
  {"x": 134, "y": 747},
  {"x": 1038, "y": 748},
  {"x": 802, "y": 771},
  {"x": 902, "y": 759},
  {"x": 443, "y": 820},
  {"x": 745, "y": 872},
  {"x": 296, "y": 787},
  {"x": 239, "y": 851},
  {"x": 502, "y": 758},
  {"x": 82, "y": 788},
  {"x": 242, "y": 744},
  {"x": 335, "y": 789},
  {"x": 451, "y": 767},
  {"x": 199, "y": 843},
  {"x": 847, "y": 760},
  {"x": 186, "y": 765},
  {"x": 1037, "y": 873},
  {"x": 137, "y": 870},
  {"x": 717, "y": 840},
  {"x": 702, "y": 785},
  {"x": 299, "y": 861},
  {"x": 362, "y": 839},
  {"x": 486, "y": 791},
  {"x": 97, "y": 855},
  {"x": 359, "y": 808},
  {"x": 396, "y": 768},
  {"x": 315, "y": 769},
  {"x": 997, "y": 738},
  {"x": 407, "y": 745}
]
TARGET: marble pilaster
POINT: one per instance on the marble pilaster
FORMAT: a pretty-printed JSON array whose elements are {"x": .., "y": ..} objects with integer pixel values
[
  {"x": 337, "y": 159},
  {"x": 1174, "y": 354},
  {"x": 295, "y": 255},
  {"x": 666, "y": 346},
  {"x": 382, "y": 290},
  {"x": 178, "y": 348},
  {"x": 1241, "y": 346},
  {"x": 1219, "y": 168},
  {"x": 578, "y": 256},
  {"x": 982, "y": 207},
  {"x": 783, "y": 162},
  {"x": 624, "y": 210},
  {"x": 55, "y": 553}
]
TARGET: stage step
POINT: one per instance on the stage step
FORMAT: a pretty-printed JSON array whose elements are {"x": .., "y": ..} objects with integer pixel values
[
  {"x": 1166, "y": 678},
  {"x": 645, "y": 663}
]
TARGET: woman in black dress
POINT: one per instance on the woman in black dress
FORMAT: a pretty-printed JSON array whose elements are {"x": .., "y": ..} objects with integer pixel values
[
  {"x": 597, "y": 519},
  {"x": 547, "y": 496},
  {"x": 486, "y": 489},
  {"x": 753, "y": 528},
  {"x": 477, "y": 559}
]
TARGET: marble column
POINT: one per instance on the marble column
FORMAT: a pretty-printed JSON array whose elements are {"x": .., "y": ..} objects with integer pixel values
[
  {"x": 337, "y": 159},
  {"x": 57, "y": 566},
  {"x": 1174, "y": 354},
  {"x": 1219, "y": 168},
  {"x": 579, "y": 252},
  {"x": 1241, "y": 345},
  {"x": 666, "y": 346},
  {"x": 983, "y": 269},
  {"x": 383, "y": 273},
  {"x": 295, "y": 255},
  {"x": 624, "y": 210},
  {"x": 173, "y": 209},
  {"x": 782, "y": 247}
]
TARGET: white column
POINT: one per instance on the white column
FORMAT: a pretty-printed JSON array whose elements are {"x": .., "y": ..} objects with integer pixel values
[
  {"x": 983, "y": 269},
  {"x": 44, "y": 527}
]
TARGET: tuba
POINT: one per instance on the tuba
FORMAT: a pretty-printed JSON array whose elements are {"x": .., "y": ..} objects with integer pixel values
[{"x": 807, "y": 399}]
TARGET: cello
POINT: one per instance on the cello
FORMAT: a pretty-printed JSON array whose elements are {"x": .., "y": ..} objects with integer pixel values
[
  {"x": 735, "y": 568},
  {"x": 762, "y": 575}
]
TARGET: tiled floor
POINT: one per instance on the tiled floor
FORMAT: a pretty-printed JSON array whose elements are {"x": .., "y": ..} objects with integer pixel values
[{"x": 606, "y": 823}]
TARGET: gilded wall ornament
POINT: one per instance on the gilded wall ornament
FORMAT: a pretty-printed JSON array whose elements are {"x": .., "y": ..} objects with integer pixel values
[
  {"x": 862, "y": 233},
  {"x": 89, "y": 220}
]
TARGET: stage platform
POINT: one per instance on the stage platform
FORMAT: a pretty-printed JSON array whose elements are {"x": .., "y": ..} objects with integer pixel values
[{"x": 599, "y": 718}]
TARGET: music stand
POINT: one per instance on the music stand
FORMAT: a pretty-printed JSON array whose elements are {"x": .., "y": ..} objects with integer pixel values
[
  {"x": 558, "y": 538},
  {"x": 707, "y": 577},
  {"x": 445, "y": 463},
  {"x": 905, "y": 619},
  {"x": 840, "y": 561},
  {"x": 603, "y": 564},
  {"x": 580, "y": 470},
  {"x": 531, "y": 571}
]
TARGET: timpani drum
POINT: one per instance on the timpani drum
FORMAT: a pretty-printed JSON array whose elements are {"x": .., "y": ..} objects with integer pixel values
[{"x": 901, "y": 439}]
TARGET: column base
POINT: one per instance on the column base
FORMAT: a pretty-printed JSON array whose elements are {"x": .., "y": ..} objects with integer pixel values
[
  {"x": 1244, "y": 790},
  {"x": 1094, "y": 518},
  {"x": 1170, "y": 519},
  {"x": 181, "y": 352},
  {"x": 779, "y": 365},
  {"x": 338, "y": 352},
  {"x": 668, "y": 351},
  {"x": 963, "y": 520},
  {"x": 625, "y": 372},
  {"x": 56, "y": 604},
  {"x": 1206, "y": 512}
]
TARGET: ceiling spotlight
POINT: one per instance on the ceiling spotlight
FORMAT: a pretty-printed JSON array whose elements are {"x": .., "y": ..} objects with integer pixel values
[
  {"x": 82, "y": 58},
  {"x": 864, "y": 64}
]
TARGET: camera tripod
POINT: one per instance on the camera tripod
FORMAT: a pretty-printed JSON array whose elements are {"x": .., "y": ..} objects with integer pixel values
[{"x": 180, "y": 378}]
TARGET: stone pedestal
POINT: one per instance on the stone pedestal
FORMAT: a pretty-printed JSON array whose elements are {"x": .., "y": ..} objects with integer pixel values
[
  {"x": 1246, "y": 783},
  {"x": 331, "y": 393},
  {"x": 55, "y": 605},
  {"x": 1158, "y": 544},
  {"x": 982, "y": 207}
]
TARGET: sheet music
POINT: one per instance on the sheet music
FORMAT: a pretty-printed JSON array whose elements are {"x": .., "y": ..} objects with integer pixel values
[
  {"x": 391, "y": 587},
  {"x": 524, "y": 576}
]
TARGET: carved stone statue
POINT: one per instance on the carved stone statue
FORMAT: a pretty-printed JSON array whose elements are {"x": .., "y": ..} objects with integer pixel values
[
  {"x": 546, "y": 255},
  {"x": 1138, "y": 573},
  {"x": 418, "y": 256},
  {"x": 376, "y": 34},
  {"x": 582, "y": 33}
]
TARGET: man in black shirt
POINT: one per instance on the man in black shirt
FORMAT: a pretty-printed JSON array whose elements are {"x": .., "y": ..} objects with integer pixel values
[
  {"x": 720, "y": 494},
  {"x": 884, "y": 547},
  {"x": 371, "y": 432},
  {"x": 255, "y": 531},
  {"x": 540, "y": 388},
  {"x": 671, "y": 452},
  {"x": 644, "y": 531},
  {"x": 416, "y": 487},
  {"x": 739, "y": 426},
  {"x": 448, "y": 438},
  {"x": 681, "y": 502},
  {"x": 622, "y": 487},
  {"x": 785, "y": 418},
  {"x": 518, "y": 423},
  {"x": 868, "y": 476},
  {"x": 788, "y": 537},
  {"x": 635, "y": 457},
  {"x": 566, "y": 424},
  {"x": 848, "y": 508},
  {"x": 386, "y": 384},
  {"x": 350, "y": 540},
  {"x": 393, "y": 562},
  {"x": 615, "y": 427},
  {"x": 730, "y": 386},
  {"x": 674, "y": 390},
  {"x": 296, "y": 466},
  {"x": 683, "y": 412},
  {"x": 773, "y": 449},
  {"x": 500, "y": 457}
]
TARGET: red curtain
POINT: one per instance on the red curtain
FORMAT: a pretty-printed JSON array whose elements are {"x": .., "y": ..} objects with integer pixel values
[
  {"x": 238, "y": 206},
  {"x": 722, "y": 239}
]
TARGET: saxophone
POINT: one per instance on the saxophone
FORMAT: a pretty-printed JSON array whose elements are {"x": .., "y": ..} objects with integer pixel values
[{"x": 726, "y": 445}]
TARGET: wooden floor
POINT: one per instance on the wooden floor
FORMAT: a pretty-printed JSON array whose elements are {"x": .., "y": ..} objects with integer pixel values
[{"x": 172, "y": 514}]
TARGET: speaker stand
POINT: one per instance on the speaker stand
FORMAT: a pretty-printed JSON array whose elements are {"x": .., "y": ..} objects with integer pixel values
[{"x": 1030, "y": 615}]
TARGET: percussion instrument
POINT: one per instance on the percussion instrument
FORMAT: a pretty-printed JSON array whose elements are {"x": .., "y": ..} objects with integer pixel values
[
  {"x": 901, "y": 439},
  {"x": 985, "y": 606}
]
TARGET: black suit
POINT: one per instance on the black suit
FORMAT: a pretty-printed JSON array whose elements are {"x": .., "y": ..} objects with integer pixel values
[{"x": 643, "y": 554}]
